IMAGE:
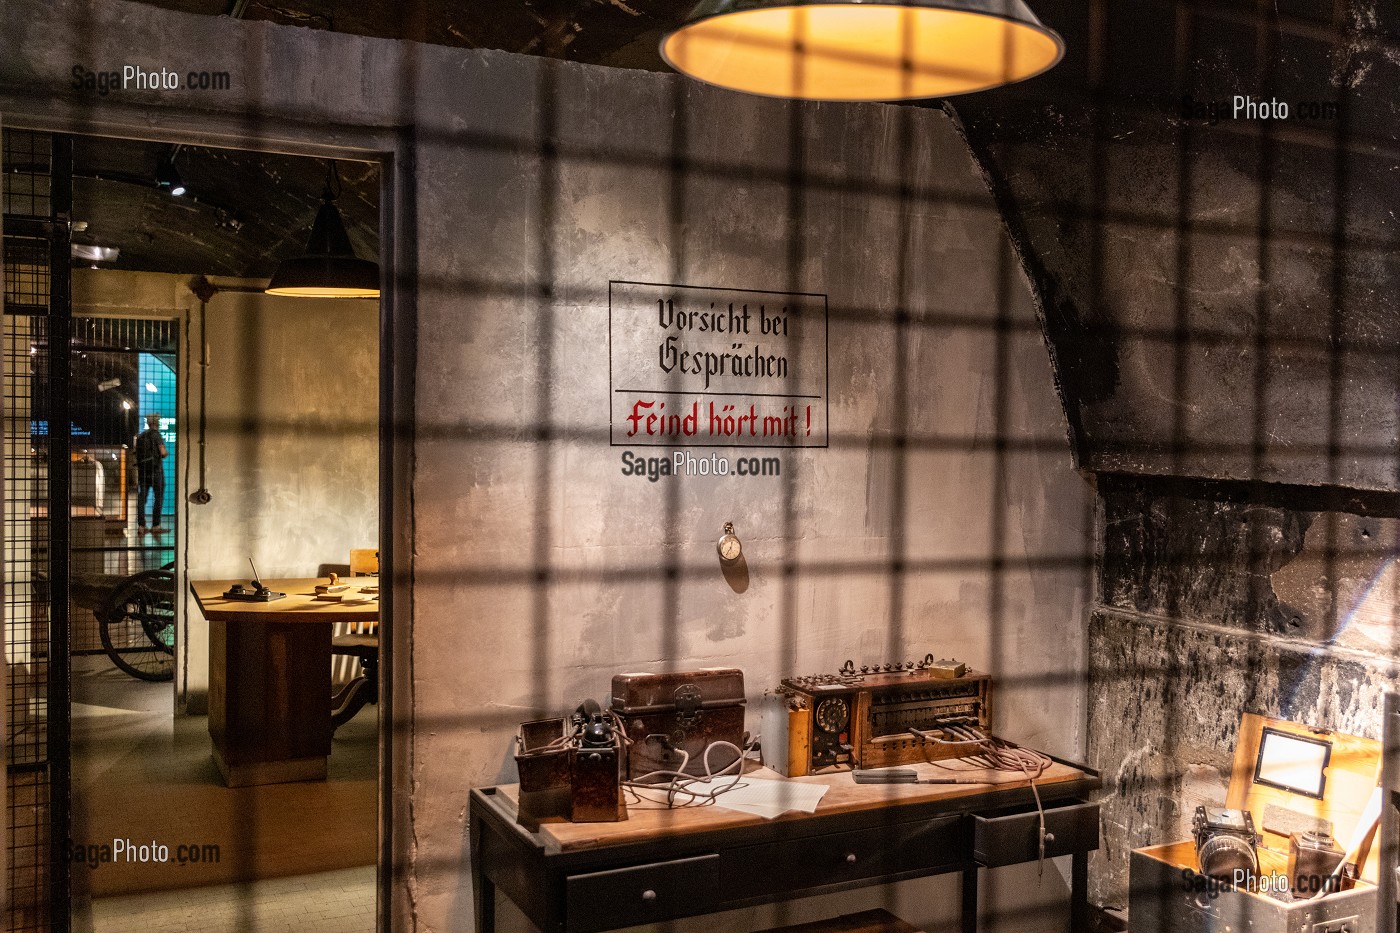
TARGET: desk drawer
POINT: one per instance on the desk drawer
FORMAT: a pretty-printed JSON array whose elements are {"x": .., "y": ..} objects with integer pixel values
[
  {"x": 1010, "y": 838},
  {"x": 817, "y": 861},
  {"x": 624, "y": 897}
]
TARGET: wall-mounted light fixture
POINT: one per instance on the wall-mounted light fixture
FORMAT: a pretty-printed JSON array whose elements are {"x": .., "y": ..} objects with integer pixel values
[
  {"x": 329, "y": 268},
  {"x": 855, "y": 50}
]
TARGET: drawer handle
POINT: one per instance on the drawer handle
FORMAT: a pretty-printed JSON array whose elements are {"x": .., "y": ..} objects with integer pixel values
[
  {"x": 649, "y": 895},
  {"x": 1049, "y": 838},
  {"x": 850, "y": 858}
]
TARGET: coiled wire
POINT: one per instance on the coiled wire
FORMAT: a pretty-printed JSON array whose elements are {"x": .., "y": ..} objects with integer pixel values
[
  {"x": 996, "y": 754},
  {"x": 683, "y": 784}
]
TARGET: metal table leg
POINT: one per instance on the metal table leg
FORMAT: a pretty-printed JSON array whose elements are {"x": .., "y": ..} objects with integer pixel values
[
  {"x": 969, "y": 899},
  {"x": 1079, "y": 892},
  {"x": 483, "y": 888}
]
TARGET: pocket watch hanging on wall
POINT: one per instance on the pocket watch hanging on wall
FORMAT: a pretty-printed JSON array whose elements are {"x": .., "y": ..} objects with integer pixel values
[{"x": 729, "y": 547}]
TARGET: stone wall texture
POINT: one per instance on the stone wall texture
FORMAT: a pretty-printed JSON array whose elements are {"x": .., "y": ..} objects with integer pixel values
[{"x": 1210, "y": 609}]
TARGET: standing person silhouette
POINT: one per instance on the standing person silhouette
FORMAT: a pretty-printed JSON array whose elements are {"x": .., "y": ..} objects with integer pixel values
[{"x": 150, "y": 472}]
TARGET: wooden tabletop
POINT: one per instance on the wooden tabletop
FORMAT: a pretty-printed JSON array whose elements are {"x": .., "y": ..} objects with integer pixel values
[
  {"x": 299, "y": 605},
  {"x": 646, "y": 820}
]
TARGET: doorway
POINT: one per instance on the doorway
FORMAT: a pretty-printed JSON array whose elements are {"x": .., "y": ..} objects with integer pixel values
[{"x": 272, "y": 453}]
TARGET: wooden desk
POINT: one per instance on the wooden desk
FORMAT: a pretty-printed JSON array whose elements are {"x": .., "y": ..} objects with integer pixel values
[
  {"x": 270, "y": 679},
  {"x": 660, "y": 865}
]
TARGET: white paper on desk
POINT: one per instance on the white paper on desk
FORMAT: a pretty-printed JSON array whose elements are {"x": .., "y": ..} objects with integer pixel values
[{"x": 770, "y": 799}]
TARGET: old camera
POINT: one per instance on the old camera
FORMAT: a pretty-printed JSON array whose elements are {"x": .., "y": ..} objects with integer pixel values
[
  {"x": 1313, "y": 857},
  {"x": 1225, "y": 841}
]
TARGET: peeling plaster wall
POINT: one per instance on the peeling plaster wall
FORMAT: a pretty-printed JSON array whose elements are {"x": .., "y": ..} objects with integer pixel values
[
  {"x": 945, "y": 516},
  {"x": 1209, "y": 609}
]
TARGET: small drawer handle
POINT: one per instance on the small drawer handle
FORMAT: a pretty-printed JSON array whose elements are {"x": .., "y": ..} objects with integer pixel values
[
  {"x": 1049, "y": 838},
  {"x": 648, "y": 895},
  {"x": 850, "y": 858}
]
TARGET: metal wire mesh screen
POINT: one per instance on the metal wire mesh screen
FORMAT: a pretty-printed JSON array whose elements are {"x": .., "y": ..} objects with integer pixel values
[
  {"x": 26, "y": 544},
  {"x": 27, "y": 188},
  {"x": 26, "y": 632},
  {"x": 31, "y": 293},
  {"x": 27, "y": 616}
]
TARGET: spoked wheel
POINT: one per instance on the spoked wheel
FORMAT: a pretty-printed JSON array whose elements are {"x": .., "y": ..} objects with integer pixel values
[{"x": 138, "y": 625}]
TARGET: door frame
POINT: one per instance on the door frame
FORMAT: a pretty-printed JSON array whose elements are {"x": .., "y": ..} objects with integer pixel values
[{"x": 393, "y": 150}]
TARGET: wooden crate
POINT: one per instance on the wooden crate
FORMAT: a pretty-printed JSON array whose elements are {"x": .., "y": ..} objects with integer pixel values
[{"x": 1167, "y": 894}]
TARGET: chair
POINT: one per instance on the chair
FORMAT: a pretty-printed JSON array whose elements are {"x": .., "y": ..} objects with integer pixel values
[
  {"x": 364, "y": 560},
  {"x": 361, "y": 642},
  {"x": 364, "y": 687}
]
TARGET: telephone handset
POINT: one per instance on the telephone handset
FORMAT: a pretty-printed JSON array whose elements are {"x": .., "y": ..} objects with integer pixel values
[
  {"x": 258, "y": 594},
  {"x": 595, "y": 728}
]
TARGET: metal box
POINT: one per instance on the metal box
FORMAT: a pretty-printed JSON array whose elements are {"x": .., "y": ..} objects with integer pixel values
[
  {"x": 543, "y": 763},
  {"x": 560, "y": 779},
  {"x": 1163, "y": 898},
  {"x": 672, "y": 718}
]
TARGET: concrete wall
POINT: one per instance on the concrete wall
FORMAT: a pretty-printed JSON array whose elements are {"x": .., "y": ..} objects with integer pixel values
[
  {"x": 944, "y": 517},
  {"x": 293, "y": 442},
  {"x": 1212, "y": 607},
  {"x": 1216, "y": 285},
  {"x": 291, "y": 398},
  {"x": 1217, "y": 294},
  {"x": 542, "y": 570}
]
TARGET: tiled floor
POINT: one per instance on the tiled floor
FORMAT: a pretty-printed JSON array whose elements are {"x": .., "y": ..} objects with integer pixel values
[
  {"x": 141, "y": 773},
  {"x": 330, "y": 902}
]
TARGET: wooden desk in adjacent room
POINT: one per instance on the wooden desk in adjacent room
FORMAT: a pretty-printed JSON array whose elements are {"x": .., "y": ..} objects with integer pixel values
[
  {"x": 661, "y": 865},
  {"x": 270, "y": 679}
]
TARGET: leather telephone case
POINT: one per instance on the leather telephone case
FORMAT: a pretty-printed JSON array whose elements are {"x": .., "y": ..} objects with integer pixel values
[
  {"x": 559, "y": 779},
  {"x": 666, "y": 715}
]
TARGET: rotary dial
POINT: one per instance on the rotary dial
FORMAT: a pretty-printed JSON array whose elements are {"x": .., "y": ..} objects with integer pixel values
[{"x": 832, "y": 714}]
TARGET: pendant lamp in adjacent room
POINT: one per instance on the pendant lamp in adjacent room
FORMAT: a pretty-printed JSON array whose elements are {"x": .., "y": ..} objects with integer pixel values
[
  {"x": 861, "y": 49},
  {"x": 168, "y": 176},
  {"x": 329, "y": 268}
]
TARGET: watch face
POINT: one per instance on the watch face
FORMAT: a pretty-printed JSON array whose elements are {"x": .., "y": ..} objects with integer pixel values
[{"x": 729, "y": 547}]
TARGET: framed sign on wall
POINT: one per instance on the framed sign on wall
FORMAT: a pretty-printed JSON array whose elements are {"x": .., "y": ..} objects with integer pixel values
[{"x": 698, "y": 366}]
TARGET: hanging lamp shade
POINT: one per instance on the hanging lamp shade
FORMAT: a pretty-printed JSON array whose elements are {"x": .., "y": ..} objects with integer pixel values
[
  {"x": 168, "y": 178},
  {"x": 861, "y": 49},
  {"x": 329, "y": 268}
]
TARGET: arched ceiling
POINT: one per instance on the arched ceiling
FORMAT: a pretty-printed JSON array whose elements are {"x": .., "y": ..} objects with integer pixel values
[
  {"x": 623, "y": 33},
  {"x": 244, "y": 211}
]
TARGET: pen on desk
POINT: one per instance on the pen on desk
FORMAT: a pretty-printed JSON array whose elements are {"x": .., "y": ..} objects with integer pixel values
[{"x": 905, "y": 776}]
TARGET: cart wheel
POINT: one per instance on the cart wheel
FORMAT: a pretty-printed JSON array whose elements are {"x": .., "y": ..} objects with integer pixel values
[{"x": 138, "y": 625}]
